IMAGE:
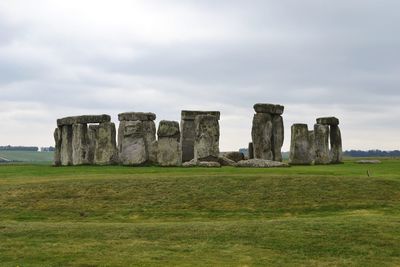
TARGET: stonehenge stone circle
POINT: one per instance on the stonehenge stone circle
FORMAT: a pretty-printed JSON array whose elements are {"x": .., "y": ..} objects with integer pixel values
[
  {"x": 137, "y": 142},
  {"x": 267, "y": 132},
  {"x": 169, "y": 153},
  {"x": 206, "y": 143},
  {"x": 324, "y": 143},
  {"x": 234, "y": 155},
  {"x": 188, "y": 131},
  {"x": 75, "y": 144},
  {"x": 300, "y": 145}
]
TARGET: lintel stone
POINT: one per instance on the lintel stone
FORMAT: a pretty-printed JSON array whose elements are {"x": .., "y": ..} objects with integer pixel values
[
  {"x": 84, "y": 119},
  {"x": 136, "y": 116},
  {"x": 269, "y": 108}
]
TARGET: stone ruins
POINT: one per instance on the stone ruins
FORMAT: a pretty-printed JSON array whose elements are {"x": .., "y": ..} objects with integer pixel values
[
  {"x": 321, "y": 146},
  {"x": 91, "y": 140},
  {"x": 267, "y": 132},
  {"x": 88, "y": 139}
]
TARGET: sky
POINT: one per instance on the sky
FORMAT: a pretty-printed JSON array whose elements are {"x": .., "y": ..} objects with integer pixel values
[{"x": 316, "y": 57}]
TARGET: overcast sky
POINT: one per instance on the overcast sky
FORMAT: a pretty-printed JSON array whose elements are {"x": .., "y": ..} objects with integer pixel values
[{"x": 315, "y": 57}]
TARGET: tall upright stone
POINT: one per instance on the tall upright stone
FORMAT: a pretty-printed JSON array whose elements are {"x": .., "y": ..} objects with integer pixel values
[
  {"x": 251, "y": 150},
  {"x": 137, "y": 138},
  {"x": 311, "y": 138},
  {"x": 103, "y": 147},
  {"x": 336, "y": 145},
  {"x": 335, "y": 153},
  {"x": 187, "y": 139},
  {"x": 321, "y": 144},
  {"x": 57, "y": 148},
  {"x": 66, "y": 145},
  {"x": 80, "y": 144},
  {"x": 261, "y": 134},
  {"x": 169, "y": 153},
  {"x": 268, "y": 131},
  {"x": 300, "y": 145},
  {"x": 206, "y": 145}
]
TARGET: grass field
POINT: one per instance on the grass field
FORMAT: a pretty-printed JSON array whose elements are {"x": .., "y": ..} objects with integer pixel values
[
  {"x": 149, "y": 216},
  {"x": 27, "y": 156}
]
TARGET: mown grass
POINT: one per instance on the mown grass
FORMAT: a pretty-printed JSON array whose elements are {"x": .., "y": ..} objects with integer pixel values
[
  {"x": 120, "y": 216},
  {"x": 27, "y": 156}
]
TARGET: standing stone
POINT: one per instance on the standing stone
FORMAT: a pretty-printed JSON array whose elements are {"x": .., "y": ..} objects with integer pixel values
[
  {"x": 103, "y": 144},
  {"x": 188, "y": 131},
  {"x": 144, "y": 129},
  {"x": 149, "y": 131},
  {"x": 311, "y": 138},
  {"x": 261, "y": 133},
  {"x": 66, "y": 145},
  {"x": 57, "y": 150},
  {"x": 300, "y": 145},
  {"x": 277, "y": 137},
  {"x": 336, "y": 145},
  {"x": 206, "y": 145},
  {"x": 321, "y": 143},
  {"x": 133, "y": 144},
  {"x": 168, "y": 144},
  {"x": 251, "y": 151},
  {"x": 80, "y": 144}
]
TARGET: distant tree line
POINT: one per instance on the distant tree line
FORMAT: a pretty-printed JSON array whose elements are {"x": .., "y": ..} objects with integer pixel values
[
  {"x": 47, "y": 149},
  {"x": 372, "y": 153},
  {"x": 19, "y": 148}
]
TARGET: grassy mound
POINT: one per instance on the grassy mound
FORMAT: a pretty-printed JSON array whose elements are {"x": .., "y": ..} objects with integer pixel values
[{"x": 121, "y": 216}]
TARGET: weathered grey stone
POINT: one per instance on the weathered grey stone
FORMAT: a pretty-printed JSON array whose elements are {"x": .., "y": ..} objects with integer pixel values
[
  {"x": 209, "y": 164},
  {"x": 169, "y": 153},
  {"x": 234, "y": 155},
  {"x": 206, "y": 145},
  {"x": 328, "y": 121},
  {"x": 84, "y": 119},
  {"x": 57, "y": 150},
  {"x": 136, "y": 116},
  {"x": 188, "y": 131},
  {"x": 168, "y": 129},
  {"x": 269, "y": 108},
  {"x": 336, "y": 145},
  {"x": 191, "y": 114},
  {"x": 260, "y": 163},
  {"x": 149, "y": 131},
  {"x": 102, "y": 144},
  {"x": 251, "y": 150},
  {"x": 321, "y": 144},
  {"x": 190, "y": 163},
  {"x": 311, "y": 138},
  {"x": 277, "y": 137},
  {"x": 300, "y": 145},
  {"x": 369, "y": 161},
  {"x": 80, "y": 144},
  {"x": 224, "y": 161},
  {"x": 133, "y": 143},
  {"x": 261, "y": 133},
  {"x": 66, "y": 145}
]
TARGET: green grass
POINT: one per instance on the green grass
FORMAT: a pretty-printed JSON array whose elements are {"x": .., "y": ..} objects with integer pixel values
[
  {"x": 120, "y": 216},
  {"x": 27, "y": 156}
]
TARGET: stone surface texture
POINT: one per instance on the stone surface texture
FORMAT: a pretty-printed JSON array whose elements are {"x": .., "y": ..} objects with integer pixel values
[
  {"x": 84, "y": 119},
  {"x": 206, "y": 145},
  {"x": 321, "y": 144},
  {"x": 268, "y": 108},
  {"x": 336, "y": 152},
  {"x": 169, "y": 153},
  {"x": 328, "y": 121},
  {"x": 300, "y": 145},
  {"x": 57, "y": 147},
  {"x": 234, "y": 155},
  {"x": 261, "y": 134}
]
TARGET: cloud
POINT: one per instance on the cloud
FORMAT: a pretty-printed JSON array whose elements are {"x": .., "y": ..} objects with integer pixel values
[{"x": 315, "y": 57}]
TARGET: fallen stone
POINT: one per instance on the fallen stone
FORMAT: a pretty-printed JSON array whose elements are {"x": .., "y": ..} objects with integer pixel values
[
  {"x": 84, "y": 119},
  {"x": 224, "y": 161},
  {"x": 209, "y": 164},
  {"x": 191, "y": 163},
  {"x": 260, "y": 163},
  {"x": 261, "y": 133},
  {"x": 206, "y": 145},
  {"x": 136, "y": 116},
  {"x": 328, "y": 121},
  {"x": 369, "y": 161},
  {"x": 269, "y": 108},
  {"x": 233, "y": 155}
]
